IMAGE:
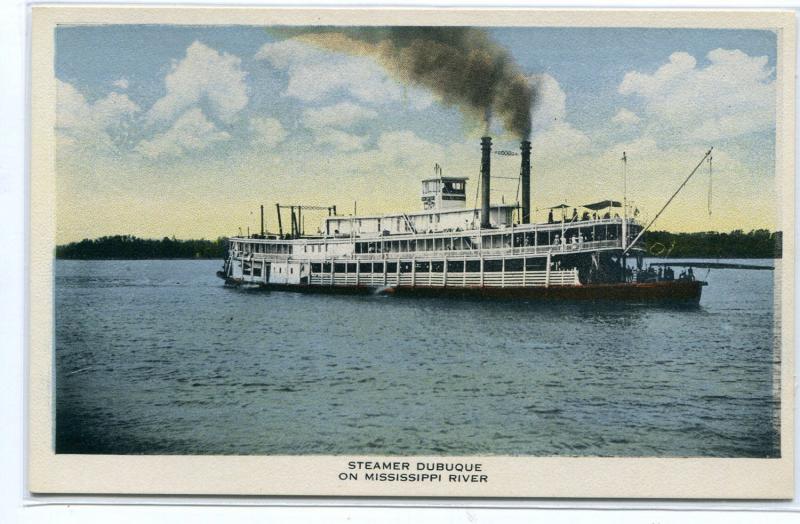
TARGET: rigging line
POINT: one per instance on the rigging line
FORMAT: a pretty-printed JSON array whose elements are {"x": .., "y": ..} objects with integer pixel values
[
  {"x": 642, "y": 232},
  {"x": 710, "y": 183},
  {"x": 477, "y": 193}
]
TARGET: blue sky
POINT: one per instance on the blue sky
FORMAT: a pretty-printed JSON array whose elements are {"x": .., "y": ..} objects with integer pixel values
[{"x": 158, "y": 122}]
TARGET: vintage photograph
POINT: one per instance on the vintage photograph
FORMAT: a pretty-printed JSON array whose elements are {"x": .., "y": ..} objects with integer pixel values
[{"x": 388, "y": 240}]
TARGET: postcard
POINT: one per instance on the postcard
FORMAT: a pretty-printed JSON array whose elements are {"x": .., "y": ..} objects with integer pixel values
[{"x": 411, "y": 252}]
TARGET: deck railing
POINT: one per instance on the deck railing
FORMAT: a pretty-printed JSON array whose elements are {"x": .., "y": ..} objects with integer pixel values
[
  {"x": 458, "y": 279},
  {"x": 503, "y": 252}
]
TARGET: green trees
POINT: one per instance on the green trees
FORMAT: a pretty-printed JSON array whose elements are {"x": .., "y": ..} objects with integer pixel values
[
  {"x": 759, "y": 243},
  {"x": 131, "y": 247}
]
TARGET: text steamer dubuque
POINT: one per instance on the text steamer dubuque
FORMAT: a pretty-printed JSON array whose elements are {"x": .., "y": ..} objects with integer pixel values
[{"x": 450, "y": 250}]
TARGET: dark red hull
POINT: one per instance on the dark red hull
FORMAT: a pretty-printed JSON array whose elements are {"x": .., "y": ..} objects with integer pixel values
[
  {"x": 687, "y": 291},
  {"x": 677, "y": 291}
]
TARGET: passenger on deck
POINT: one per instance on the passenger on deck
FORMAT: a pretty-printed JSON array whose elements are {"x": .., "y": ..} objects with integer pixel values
[
  {"x": 574, "y": 214},
  {"x": 691, "y": 273},
  {"x": 607, "y": 215},
  {"x": 585, "y": 215},
  {"x": 550, "y": 217}
]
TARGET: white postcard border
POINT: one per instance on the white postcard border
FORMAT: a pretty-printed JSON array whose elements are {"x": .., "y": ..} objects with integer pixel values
[{"x": 584, "y": 477}]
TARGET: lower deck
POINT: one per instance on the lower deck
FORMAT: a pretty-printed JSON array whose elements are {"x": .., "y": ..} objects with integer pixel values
[{"x": 674, "y": 291}]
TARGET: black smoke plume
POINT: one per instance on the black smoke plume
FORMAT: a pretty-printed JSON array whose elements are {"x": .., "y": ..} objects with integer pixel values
[{"x": 462, "y": 65}]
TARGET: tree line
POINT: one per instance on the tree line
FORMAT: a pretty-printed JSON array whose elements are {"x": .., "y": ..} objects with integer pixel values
[
  {"x": 130, "y": 247},
  {"x": 759, "y": 243}
]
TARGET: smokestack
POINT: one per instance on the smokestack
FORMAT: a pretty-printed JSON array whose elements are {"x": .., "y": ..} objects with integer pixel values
[
  {"x": 486, "y": 154},
  {"x": 525, "y": 175}
]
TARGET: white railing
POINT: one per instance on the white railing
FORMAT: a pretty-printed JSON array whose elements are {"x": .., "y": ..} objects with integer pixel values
[
  {"x": 573, "y": 247},
  {"x": 459, "y": 279}
]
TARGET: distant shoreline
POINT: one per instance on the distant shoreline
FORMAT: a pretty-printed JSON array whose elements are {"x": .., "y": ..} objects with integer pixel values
[{"x": 756, "y": 244}]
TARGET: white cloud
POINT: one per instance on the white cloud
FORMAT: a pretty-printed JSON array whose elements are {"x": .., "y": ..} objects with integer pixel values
[
  {"x": 85, "y": 124},
  {"x": 559, "y": 141},
  {"x": 315, "y": 75},
  {"x": 122, "y": 83},
  {"x": 406, "y": 146},
  {"x": 267, "y": 131},
  {"x": 731, "y": 96},
  {"x": 551, "y": 103},
  {"x": 342, "y": 115},
  {"x": 204, "y": 74},
  {"x": 192, "y": 131},
  {"x": 626, "y": 117},
  {"x": 553, "y": 136},
  {"x": 339, "y": 140}
]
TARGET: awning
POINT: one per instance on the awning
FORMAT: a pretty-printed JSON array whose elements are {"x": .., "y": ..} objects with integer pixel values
[
  {"x": 602, "y": 205},
  {"x": 559, "y": 206}
]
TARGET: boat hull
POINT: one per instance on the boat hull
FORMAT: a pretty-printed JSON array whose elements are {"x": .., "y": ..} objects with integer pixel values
[
  {"x": 673, "y": 291},
  {"x": 687, "y": 291}
]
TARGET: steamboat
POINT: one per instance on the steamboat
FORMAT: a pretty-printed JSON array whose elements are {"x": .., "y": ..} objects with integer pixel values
[{"x": 450, "y": 250}]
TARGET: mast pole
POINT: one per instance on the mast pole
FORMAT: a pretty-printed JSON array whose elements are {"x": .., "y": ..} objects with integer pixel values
[
  {"x": 642, "y": 232},
  {"x": 624, "y": 201},
  {"x": 624, "y": 215}
]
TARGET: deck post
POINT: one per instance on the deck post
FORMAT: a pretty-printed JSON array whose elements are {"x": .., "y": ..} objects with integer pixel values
[
  {"x": 444, "y": 272},
  {"x": 481, "y": 270},
  {"x": 333, "y": 271},
  {"x": 358, "y": 271},
  {"x": 413, "y": 272},
  {"x": 547, "y": 272},
  {"x": 524, "y": 272}
]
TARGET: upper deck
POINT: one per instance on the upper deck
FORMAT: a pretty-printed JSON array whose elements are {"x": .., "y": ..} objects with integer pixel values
[{"x": 568, "y": 236}]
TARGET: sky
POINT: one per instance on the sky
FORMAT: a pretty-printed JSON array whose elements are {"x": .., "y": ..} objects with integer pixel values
[{"x": 184, "y": 131}]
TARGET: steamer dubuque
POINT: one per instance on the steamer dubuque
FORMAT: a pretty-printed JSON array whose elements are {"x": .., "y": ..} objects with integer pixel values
[{"x": 449, "y": 250}]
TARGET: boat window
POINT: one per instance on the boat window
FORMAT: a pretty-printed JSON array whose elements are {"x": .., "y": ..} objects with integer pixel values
[
  {"x": 437, "y": 267},
  {"x": 455, "y": 266},
  {"x": 326, "y": 267},
  {"x": 339, "y": 268},
  {"x": 316, "y": 268},
  {"x": 473, "y": 266},
  {"x": 535, "y": 264},
  {"x": 405, "y": 267},
  {"x": 492, "y": 265},
  {"x": 377, "y": 267},
  {"x": 351, "y": 267},
  {"x": 365, "y": 267},
  {"x": 391, "y": 267},
  {"x": 423, "y": 267},
  {"x": 514, "y": 264}
]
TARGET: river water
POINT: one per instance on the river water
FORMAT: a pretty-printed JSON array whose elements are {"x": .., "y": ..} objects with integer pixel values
[{"x": 157, "y": 357}]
